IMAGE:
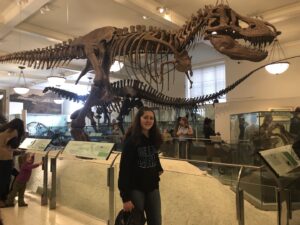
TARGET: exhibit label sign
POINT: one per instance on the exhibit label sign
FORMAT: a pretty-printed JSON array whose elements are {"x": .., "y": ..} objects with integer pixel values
[
  {"x": 283, "y": 160},
  {"x": 94, "y": 150},
  {"x": 35, "y": 144}
]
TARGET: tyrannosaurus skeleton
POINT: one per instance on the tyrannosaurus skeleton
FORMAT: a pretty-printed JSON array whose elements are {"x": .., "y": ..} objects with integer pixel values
[{"x": 147, "y": 50}]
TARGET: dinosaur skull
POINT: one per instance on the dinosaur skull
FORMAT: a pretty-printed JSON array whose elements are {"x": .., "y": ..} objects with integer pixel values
[{"x": 225, "y": 28}]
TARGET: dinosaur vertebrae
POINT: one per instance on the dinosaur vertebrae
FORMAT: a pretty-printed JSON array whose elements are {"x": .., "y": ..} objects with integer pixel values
[
  {"x": 46, "y": 58},
  {"x": 137, "y": 89}
]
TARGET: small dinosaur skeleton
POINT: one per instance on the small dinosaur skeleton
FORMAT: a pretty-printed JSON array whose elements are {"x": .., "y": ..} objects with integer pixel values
[{"x": 146, "y": 52}]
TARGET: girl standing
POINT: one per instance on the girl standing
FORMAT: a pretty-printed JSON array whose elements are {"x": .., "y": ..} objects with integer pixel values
[
  {"x": 184, "y": 132},
  {"x": 140, "y": 167},
  {"x": 23, "y": 177}
]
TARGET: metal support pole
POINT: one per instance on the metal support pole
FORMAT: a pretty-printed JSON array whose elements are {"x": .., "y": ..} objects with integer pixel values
[
  {"x": 44, "y": 197},
  {"x": 186, "y": 149},
  {"x": 53, "y": 184},
  {"x": 177, "y": 150},
  {"x": 240, "y": 207},
  {"x": 289, "y": 204},
  {"x": 240, "y": 212},
  {"x": 111, "y": 185},
  {"x": 111, "y": 198},
  {"x": 278, "y": 198}
]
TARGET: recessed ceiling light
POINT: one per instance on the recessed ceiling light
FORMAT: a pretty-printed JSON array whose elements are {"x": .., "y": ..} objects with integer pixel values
[{"x": 161, "y": 9}]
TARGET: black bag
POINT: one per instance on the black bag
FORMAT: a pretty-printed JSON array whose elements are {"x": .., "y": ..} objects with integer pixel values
[{"x": 135, "y": 217}]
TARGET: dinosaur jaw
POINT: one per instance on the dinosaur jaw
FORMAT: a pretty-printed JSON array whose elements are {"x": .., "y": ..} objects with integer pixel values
[{"x": 226, "y": 45}]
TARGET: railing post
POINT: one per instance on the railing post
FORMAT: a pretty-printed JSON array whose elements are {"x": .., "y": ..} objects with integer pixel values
[
  {"x": 240, "y": 213},
  {"x": 111, "y": 186},
  {"x": 44, "y": 196},
  {"x": 111, "y": 198},
  {"x": 279, "y": 208},
  {"x": 240, "y": 207},
  {"x": 289, "y": 204},
  {"x": 52, "y": 199},
  {"x": 186, "y": 149}
]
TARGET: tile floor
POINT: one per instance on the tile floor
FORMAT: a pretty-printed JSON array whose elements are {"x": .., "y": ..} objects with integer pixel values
[{"x": 41, "y": 215}]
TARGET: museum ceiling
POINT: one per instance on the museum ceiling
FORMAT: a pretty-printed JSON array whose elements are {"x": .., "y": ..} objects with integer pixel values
[{"x": 30, "y": 24}]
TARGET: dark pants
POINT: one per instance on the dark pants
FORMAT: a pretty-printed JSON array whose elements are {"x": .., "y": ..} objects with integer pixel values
[
  {"x": 6, "y": 167},
  {"x": 210, "y": 152},
  {"x": 14, "y": 173},
  {"x": 150, "y": 203},
  {"x": 18, "y": 188},
  {"x": 184, "y": 150}
]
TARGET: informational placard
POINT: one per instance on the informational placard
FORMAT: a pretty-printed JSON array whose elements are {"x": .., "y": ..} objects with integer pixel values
[
  {"x": 35, "y": 144},
  {"x": 94, "y": 150},
  {"x": 93, "y": 134},
  {"x": 282, "y": 160}
]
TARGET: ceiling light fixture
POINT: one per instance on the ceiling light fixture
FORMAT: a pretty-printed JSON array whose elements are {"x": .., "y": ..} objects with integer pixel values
[
  {"x": 116, "y": 66},
  {"x": 45, "y": 9},
  {"x": 276, "y": 54},
  {"x": 277, "y": 68},
  {"x": 21, "y": 2},
  {"x": 21, "y": 89},
  {"x": 56, "y": 80},
  {"x": 58, "y": 101}
]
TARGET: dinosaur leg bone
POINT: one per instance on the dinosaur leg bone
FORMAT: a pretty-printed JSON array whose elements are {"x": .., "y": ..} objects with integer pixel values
[
  {"x": 97, "y": 95},
  {"x": 100, "y": 75}
]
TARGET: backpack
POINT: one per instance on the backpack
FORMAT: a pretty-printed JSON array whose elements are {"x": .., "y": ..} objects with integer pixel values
[{"x": 135, "y": 217}]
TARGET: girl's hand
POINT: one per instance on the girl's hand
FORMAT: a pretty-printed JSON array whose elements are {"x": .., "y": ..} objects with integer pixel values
[{"x": 128, "y": 206}]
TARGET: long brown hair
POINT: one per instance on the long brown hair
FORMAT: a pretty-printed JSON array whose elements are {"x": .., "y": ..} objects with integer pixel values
[
  {"x": 18, "y": 125},
  {"x": 135, "y": 130}
]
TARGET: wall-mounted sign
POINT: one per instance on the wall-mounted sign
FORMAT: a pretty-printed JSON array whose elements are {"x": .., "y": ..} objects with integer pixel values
[{"x": 94, "y": 150}]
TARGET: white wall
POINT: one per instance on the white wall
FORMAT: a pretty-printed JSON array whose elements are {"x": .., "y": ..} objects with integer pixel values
[{"x": 261, "y": 84}]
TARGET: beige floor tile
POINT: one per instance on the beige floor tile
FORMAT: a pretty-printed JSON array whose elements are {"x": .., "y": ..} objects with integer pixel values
[{"x": 41, "y": 215}]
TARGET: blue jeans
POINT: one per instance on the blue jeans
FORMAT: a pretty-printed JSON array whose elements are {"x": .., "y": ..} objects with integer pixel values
[{"x": 150, "y": 203}]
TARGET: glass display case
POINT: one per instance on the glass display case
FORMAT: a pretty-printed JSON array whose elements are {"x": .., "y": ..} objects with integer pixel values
[
  {"x": 253, "y": 132},
  {"x": 256, "y": 131}
]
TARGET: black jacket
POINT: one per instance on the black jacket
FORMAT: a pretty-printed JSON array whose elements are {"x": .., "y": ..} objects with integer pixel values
[
  {"x": 139, "y": 167},
  {"x": 208, "y": 131}
]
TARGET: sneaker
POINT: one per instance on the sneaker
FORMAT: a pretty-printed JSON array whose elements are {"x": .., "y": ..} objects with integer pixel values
[{"x": 23, "y": 204}]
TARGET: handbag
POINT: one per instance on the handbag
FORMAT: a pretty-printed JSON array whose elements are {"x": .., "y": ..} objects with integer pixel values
[{"x": 135, "y": 217}]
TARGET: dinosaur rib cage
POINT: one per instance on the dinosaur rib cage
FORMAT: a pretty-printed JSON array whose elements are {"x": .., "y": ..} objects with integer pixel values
[{"x": 142, "y": 55}]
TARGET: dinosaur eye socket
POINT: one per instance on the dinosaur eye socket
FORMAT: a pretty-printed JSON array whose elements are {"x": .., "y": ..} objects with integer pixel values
[{"x": 252, "y": 26}]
